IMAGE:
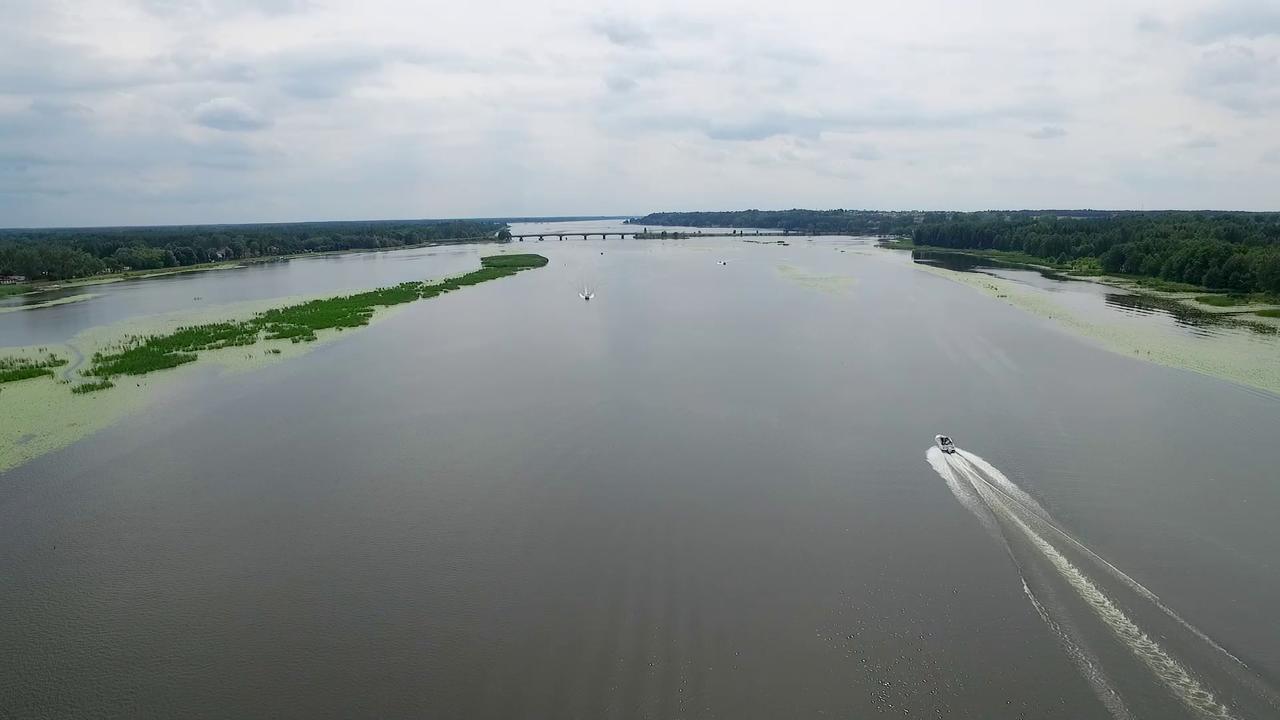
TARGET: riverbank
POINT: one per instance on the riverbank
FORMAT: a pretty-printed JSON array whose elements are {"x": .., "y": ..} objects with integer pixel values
[
  {"x": 1235, "y": 357},
  {"x": 62, "y": 403},
  {"x": 49, "y": 303},
  {"x": 42, "y": 286},
  {"x": 1192, "y": 297}
]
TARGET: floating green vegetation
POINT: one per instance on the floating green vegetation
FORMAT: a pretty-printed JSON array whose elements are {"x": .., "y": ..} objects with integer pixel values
[
  {"x": 1223, "y": 300},
  {"x": 1270, "y": 312},
  {"x": 13, "y": 369},
  {"x": 826, "y": 283},
  {"x": 139, "y": 355},
  {"x": 1157, "y": 284},
  {"x": 89, "y": 387},
  {"x": 521, "y": 261}
]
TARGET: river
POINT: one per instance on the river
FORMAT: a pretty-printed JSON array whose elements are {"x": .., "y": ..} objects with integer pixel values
[{"x": 707, "y": 492}]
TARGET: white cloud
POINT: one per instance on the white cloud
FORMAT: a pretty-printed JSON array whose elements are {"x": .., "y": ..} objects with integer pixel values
[
  {"x": 1200, "y": 142},
  {"x": 1047, "y": 132},
  {"x": 1235, "y": 19},
  {"x": 621, "y": 31},
  {"x": 243, "y": 110},
  {"x": 229, "y": 114}
]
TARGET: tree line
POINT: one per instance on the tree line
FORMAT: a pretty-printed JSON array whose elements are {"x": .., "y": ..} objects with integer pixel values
[
  {"x": 1238, "y": 252},
  {"x": 839, "y": 221},
  {"x": 1234, "y": 251},
  {"x": 61, "y": 254},
  {"x": 863, "y": 222}
]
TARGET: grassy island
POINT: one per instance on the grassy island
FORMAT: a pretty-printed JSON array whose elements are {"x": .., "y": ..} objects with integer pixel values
[
  {"x": 142, "y": 354},
  {"x": 49, "y": 401}
]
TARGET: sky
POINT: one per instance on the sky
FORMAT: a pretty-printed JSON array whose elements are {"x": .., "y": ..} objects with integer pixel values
[{"x": 196, "y": 111}]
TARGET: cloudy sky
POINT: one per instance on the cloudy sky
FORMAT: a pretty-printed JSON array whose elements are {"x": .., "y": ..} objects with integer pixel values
[{"x": 171, "y": 111}]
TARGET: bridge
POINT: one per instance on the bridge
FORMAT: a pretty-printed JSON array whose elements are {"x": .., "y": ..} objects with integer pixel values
[{"x": 646, "y": 234}]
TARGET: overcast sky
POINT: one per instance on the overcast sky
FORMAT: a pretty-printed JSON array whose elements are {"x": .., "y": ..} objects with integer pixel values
[{"x": 175, "y": 111}]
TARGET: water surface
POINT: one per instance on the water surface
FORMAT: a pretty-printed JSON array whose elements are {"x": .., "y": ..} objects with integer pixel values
[{"x": 702, "y": 494}]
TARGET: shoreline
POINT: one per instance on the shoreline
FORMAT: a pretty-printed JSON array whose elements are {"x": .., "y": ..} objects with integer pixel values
[
  {"x": 46, "y": 413},
  {"x": 1233, "y": 359},
  {"x": 49, "y": 303},
  {"x": 42, "y": 286},
  {"x": 1186, "y": 296}
]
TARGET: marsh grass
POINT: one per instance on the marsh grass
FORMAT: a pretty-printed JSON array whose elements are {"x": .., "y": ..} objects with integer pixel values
[
  {"x": 89, "y": 387},
  {"x": 1223, "y": 300},
  {"x": 13, "y": 369},
  {"x": 514, "y": 260},
  {"x": 138, "y": 355}
]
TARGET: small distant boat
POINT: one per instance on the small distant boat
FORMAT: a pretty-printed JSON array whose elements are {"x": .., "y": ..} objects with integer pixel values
[
  {"x": 945, "y": 444},
  {"x": 724, "y": 262},
  {"x": 586, "y": 294}
]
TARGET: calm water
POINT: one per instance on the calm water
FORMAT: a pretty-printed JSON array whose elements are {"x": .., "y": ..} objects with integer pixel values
[
  {"x": 706, "y": 493},
  {"x": 111, "y": 303}
]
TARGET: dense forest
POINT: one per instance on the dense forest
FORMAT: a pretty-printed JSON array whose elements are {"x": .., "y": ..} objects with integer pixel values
[
  {"x": 860, "y": 222},
  {"x": 1233, "y": 251},
  {"x": 80, "y": 252},
  {"x": 1239, "y": 252},
  {"x": 850, "y": 222}
]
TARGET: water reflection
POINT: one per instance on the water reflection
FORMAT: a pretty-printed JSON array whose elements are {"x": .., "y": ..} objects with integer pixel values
[
  {"x": 1198, "y": 322},
  {"x": 964, "y": 262}
]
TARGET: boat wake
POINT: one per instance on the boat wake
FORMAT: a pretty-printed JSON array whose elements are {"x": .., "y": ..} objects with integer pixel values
[{"x": 1140, "y": 657}]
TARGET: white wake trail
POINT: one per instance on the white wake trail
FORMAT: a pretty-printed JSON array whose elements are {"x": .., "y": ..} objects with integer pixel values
[
  {"x": 1175, "y": 677},
  {"x": 995, "y": 498},
  {"x": 1085, "y": 661},
  {"x": 1012, "y": 492}
]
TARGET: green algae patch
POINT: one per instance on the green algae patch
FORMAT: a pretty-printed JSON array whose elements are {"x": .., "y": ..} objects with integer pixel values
[
  {"x": 41, "y": 416},
  {"x": 835, "y": 284},
  {"x": 43, "y": 413},
  {"x": 1246, "y": 358}
]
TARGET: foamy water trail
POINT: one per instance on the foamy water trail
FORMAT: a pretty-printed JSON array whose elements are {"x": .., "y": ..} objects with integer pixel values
[
  {"x": 1017, "y": 518},
  {"x": 963, "y": 490},
  {"x": 1013, "y": 492},
  {"x": 1083, "y": 658}
]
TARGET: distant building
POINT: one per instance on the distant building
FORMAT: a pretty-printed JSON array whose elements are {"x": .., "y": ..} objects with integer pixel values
[{"x": 12, "y": 279}]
